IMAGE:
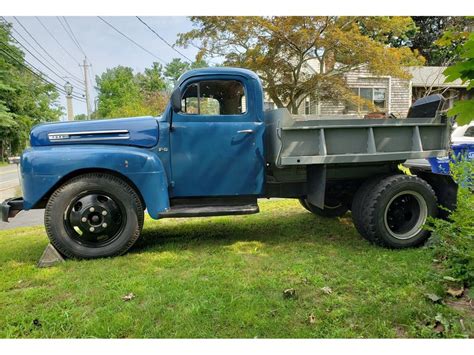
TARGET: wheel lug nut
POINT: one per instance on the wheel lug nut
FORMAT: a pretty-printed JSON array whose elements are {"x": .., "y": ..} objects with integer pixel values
[
  {"x": 92, "y": 229},
  {"x": 84, "y": 219},
  {"x": 92, "y": 209},
  {"x": 104, "y": 213},
  {"x": 104, "y": 225}
]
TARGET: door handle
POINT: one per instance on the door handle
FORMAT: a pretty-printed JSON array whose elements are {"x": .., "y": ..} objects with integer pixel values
[{"x": 246, "y": 131}]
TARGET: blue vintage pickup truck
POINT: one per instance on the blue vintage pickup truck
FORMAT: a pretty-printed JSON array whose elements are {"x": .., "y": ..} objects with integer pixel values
[{"x": 215, "y": 152}]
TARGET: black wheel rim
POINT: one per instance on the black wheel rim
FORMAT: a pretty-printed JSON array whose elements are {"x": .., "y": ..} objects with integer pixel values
[
  {"x": 94, "y": 219},
  {"x": 405, "y": 215}
]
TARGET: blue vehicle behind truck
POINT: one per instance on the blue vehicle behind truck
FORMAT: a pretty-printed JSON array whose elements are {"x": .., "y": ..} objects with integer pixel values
[{"x": 215, "y": 152}]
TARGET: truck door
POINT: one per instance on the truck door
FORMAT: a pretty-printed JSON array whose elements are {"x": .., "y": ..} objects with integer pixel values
[{"x": 216, "y": 141}]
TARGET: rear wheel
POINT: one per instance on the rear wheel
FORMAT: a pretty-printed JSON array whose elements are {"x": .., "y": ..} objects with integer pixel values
[
  {"x": 332, "y": 208},
  {"x": 394, "y": 211},
  {"x": 94, "y": 215},
  {"x": 358, "y": 203}
]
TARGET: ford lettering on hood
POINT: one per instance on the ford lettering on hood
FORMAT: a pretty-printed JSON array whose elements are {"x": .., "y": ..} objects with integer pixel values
[{"x": 134, "y": 131}]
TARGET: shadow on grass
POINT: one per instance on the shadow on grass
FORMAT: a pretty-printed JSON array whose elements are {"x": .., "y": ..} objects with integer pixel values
[{"x": 266, "y": 228}]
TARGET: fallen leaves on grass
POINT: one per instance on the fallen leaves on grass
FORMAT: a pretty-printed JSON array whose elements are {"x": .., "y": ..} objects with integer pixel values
[
  {"x": 438, "y": 328},
  {"x": 311, "y": 319},
  {"x": 455, "y": 292},
  {"x": 289, "y": 293},
  {"x": 433, "y": 297},
  {"x": 128, "y": 297},
  {"x": 441, "y": 324},
  {"x": 327, "y": 290}
]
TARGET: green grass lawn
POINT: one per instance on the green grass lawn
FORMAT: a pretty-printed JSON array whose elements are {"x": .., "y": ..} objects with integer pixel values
[{"x": 225, "y": 277}]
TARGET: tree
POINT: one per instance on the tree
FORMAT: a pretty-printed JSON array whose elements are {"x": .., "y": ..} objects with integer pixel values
[
  {"x": 152, "y": 79},
  {"x": 123, "y": 93},
  {"x": 80, "y": 117},
  {"x": 464, "y": 70},
  {"x": 280, "y": 49},
  {"x": 438, "y": 38},
  {"x": 176, "y": 68},
  {"x": 25, "y": 98}
]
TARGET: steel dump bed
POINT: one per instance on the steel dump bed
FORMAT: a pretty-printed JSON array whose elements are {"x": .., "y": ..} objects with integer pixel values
[{"x": 307, "y": 140}]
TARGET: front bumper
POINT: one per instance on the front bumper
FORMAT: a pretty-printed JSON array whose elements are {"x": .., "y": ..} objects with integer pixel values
[{"x": 10, "y": 208}]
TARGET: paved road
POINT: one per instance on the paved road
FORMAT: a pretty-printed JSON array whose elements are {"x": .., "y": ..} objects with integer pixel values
[
  {"x": 24, "y": 219},
  {"x": 9, "y": 184},
  {"x": 9, "y": 181},
  {"x": 8, "y": 176}
]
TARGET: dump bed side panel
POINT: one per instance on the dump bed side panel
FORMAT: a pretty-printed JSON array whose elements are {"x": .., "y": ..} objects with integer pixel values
[{"x": 300, "y": 140}]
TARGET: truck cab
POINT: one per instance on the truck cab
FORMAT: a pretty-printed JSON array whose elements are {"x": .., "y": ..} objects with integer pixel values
[
  {"x": 214, "y": 151},
  {"x": 216, "y": 134}
]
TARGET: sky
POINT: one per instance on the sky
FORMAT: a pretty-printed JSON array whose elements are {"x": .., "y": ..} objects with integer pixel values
[{"x": 104, "y": 47}]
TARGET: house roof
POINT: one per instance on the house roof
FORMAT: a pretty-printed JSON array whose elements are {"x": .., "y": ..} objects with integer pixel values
[{"x": 431, "y": 77}]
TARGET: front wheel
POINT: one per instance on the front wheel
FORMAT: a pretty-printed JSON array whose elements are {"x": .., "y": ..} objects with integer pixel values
[
  {"x": 331, "y": 208},
  {"x": 394, "y": 211},
  {"x": 94, "y": 215}
]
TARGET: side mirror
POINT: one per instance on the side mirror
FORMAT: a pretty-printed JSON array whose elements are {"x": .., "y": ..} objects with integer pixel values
[{"x": 176, "y": 100}]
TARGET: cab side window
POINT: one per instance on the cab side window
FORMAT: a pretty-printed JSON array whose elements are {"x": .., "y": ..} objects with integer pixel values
[{"x": 214, "y": 97}]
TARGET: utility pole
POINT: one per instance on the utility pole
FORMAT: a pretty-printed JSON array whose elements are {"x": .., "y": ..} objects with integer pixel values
[
  {"x": 86, "y": 80},
  {"x": 68, "y": 88}
]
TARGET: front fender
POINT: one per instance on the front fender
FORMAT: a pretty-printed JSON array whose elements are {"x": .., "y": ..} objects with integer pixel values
[{"x": 42, "y": 168}]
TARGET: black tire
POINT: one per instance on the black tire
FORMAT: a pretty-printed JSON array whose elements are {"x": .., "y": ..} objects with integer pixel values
[
  {"x": 394, "y": 211},
  {"x": 330, "y": 210},
  {"x": 94, "y": 215},
  {"x": 359, "y": 201}
]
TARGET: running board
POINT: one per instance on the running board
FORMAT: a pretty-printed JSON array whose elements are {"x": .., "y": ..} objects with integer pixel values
[{"x": 209, "y": 210}]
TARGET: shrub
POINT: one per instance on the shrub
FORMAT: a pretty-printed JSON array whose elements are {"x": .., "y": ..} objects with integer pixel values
[{"x": 454, "y": 237}]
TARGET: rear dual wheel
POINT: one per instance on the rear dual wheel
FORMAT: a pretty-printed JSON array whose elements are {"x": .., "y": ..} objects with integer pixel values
[
  {"x": 94, "y": 215},
  {"x": 392, "y": 211}
]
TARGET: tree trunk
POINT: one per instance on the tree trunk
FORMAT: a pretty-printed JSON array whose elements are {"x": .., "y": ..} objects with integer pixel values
[{"x": 292, "y": 107}]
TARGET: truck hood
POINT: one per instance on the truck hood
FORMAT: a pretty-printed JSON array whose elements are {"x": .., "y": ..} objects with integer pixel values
[{"x": 133, "y": 131}]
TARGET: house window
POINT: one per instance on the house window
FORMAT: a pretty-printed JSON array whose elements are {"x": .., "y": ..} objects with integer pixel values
[
  {"x": 268, "y": 106},
  {"x": 377, "y": 96},
  {"x": 307, "y": 106}
]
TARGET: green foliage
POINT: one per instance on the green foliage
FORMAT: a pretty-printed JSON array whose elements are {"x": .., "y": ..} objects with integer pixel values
[
  {"x": 123, "y": 93},
  {"x": 80, "y": 117},
  {"x": 175, "y": 68},
  {"x": 454, "y": 237},
  {"x": 439, "y": 38},
  {"x": 25, "y": 99},
  {"x": 464, "y": 70}
]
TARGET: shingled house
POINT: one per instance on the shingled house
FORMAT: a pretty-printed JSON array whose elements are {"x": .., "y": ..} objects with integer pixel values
[{"x": 390, "y": 95}]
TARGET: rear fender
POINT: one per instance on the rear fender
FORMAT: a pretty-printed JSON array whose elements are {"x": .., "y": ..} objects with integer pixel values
[{"x": 43, "y": 169}]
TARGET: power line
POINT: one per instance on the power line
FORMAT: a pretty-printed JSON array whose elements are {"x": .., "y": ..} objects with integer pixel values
[
  {"x": 85, "y": 66},
  {"x": 164, "y": 40},
  {"x": 25, "y": 48},
  {"x": 53, "y": 37},
  {"x": 131, "y": 40},
  {"x": 45, "y": 51},
  {"x": 41, "y": 76},
  {"x": 68, "y": 33},
  {"x": 74, "y": 38}
]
